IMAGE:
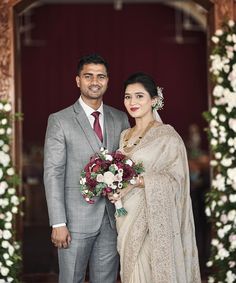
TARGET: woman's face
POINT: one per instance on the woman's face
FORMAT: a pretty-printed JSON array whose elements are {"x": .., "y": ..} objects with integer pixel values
[{"x": 138, "y": 101}]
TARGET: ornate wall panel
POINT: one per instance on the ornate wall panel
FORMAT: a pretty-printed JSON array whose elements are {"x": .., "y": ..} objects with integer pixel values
[
  {"x": 6, "y": 76},
  {"x": 224, "y": 9}
]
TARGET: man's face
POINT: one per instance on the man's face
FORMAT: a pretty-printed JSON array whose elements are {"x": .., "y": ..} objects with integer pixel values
[{"x": 92, "y": 81}]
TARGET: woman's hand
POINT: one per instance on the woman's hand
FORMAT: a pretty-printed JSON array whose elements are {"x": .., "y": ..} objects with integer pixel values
[{"x": 120, "y": 193}]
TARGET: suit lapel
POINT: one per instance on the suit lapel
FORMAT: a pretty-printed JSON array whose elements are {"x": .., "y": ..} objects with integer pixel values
[
  {"x": 109, "y": 128},
  {"x": 85, "y": 126}
]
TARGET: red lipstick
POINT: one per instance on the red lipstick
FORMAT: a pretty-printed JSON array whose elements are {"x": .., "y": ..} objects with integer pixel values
[{"x": 133, "y": 109}]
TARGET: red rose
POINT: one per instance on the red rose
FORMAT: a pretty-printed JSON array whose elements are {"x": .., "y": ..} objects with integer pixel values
[{"x": 95, "y": 168}]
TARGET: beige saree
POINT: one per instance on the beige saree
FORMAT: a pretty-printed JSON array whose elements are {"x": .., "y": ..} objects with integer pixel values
[{"x": 156, "y": 239}]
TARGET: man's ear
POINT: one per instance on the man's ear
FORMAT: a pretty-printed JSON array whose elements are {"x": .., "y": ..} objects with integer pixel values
[{"x": 77, "y": 81}]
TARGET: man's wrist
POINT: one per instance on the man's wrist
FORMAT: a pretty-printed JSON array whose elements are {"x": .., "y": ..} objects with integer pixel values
[{"x": 58, "y": 225}]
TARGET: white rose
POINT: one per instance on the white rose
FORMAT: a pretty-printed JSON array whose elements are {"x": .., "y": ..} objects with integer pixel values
[
  {"x": 9, "y": 263},
  {"x": 11, "y": 250},
  {"x": 214, "y": 111},
  {"x": 9, "y": 131},
  {"x": 12, "y": 191},
  {"x": 214, "y": 142},
  {"x": 224, "y": 199},
  {"x": 8, "y": 217},
  {"x": 231, "y": 23},
  {"x": 4, "y": 158},
  {"x": 8, "y": 225},
  {"x": 109, "y": 157},
  {"x": 232, "y": 150},
  {"x": 214, "y": 123},
  {"x": 5, "y": 244},
  {"x": 218, "y": 155},
  {"x": 231, "y": 215},
  {"x": 3, "y": 187},
  {"x": 82, "y": 181},
  {"x": 14, "y": 209},
  {"x": 100, "y": 178},
  {"x": 226, "y": 162},
  {"x": 214, "y": 242},
  {"x": 211, "y": 279},
  {"x": 109, "y": 178},
  {"x": 15, "y": 200},
  {"x": 215, "y": 39},
  {"x": 6, "y": 148},
  {"x": 209, "y": 263},
  {"x": 230, "y": 277},
  {"x": 232, "y": 198},
  {"x": 10, "y": 171},
  {"x": 232, "y": 173},
  {"x": 222, "y": 139},
  {"x": 219, "y": 32},
  {"x": 222, "y": 118},
  {"x": 223, "y": 253},
  {"x": 4, "y": 121},
  {"x": 226, "y": 68},
  {"x": 208, "y": 211},
  {"x": 213, "y": 163},
  {"x": 6, "y": 234},
  {"x": 7, "y": 107},
  {"x": 221, "y": 233},
  {"x": 232, "y": 124},
  {"x": 229, "y": 38},
  {"x": 217, "y": 92},
  {"x": 6, "y": 256},
  {"x": 10, "y": 279},
  {"x": 129, "y": 162},
  {"x": 4, "y": 271}
]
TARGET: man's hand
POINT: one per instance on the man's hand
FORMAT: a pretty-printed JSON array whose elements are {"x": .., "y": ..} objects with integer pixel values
[{"x": 61, "y": 237}]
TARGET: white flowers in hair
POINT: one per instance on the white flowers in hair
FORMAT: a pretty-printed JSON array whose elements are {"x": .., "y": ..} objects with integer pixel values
[{"x": 160, "y": 99}]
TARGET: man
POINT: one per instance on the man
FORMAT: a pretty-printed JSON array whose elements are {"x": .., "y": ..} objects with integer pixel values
[{"x": 84, "y": 233}]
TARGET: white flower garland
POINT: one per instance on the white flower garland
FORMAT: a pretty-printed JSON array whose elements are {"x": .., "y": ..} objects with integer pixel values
[
  {"x": 9, "y": 202},
  {"x": 221, "y": 200}
]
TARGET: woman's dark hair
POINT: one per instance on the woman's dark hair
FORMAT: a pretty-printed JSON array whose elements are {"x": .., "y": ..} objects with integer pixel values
[
  {"x": 145, "y": 80},
  {"x": 91, "y": 59}
]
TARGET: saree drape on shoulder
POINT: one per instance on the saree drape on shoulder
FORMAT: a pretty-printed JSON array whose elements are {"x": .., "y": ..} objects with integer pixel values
[{"x": 156, "y": 239}]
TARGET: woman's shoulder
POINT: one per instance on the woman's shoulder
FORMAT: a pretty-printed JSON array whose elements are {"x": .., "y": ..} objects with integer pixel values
[{"x": 167, "y": 131}]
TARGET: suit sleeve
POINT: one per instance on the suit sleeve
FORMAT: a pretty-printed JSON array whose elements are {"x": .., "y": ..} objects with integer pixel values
[
  {"x": 126, "y": 122},
  {"x": 54, "y": 170}
]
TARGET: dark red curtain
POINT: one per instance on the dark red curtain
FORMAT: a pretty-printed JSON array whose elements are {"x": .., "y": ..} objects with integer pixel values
[{"x": 140, "y": 37}]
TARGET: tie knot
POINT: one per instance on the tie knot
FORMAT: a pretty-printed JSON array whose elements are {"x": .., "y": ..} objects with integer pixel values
[{"x": 96, "y": 114}]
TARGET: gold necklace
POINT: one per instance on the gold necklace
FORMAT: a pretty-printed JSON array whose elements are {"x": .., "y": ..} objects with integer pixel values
[{"x": 129, "y": 135}]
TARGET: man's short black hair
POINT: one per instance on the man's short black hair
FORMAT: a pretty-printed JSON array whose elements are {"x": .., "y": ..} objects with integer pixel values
[{"x": 91, "y": 59}]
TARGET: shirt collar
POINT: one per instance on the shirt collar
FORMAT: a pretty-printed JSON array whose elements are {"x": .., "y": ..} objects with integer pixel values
[{"x": 89, "y": 110}]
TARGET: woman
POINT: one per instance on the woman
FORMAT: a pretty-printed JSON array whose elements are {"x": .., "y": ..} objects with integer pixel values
[{"x": 156, "y": 239}]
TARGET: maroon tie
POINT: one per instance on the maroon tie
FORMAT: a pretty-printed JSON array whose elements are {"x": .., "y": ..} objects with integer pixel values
[{"x": 96, "y": 125}]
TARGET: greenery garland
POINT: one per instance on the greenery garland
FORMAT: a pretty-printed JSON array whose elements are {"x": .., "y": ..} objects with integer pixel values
[
  {"x": 10, "y": 258},
  {"x": 221, "y": 200}
]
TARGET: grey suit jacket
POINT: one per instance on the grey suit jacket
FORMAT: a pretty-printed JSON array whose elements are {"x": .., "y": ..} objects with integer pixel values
[{"x": 69, "y": 144}]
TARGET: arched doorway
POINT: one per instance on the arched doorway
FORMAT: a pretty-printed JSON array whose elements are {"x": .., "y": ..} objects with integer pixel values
[{"x": 16, "y": 7}]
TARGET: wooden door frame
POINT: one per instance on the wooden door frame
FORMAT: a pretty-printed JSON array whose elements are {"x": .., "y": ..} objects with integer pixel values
[{"x": 10, "y": 76}]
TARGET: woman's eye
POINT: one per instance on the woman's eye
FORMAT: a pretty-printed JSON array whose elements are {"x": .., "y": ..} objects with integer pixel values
[
  {"x": 127, "y": 97},
  {"x": 140, "y": 96}
]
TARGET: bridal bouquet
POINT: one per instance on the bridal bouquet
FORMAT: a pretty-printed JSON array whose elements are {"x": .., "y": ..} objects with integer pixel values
[{"x": 108, "y": 173}]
